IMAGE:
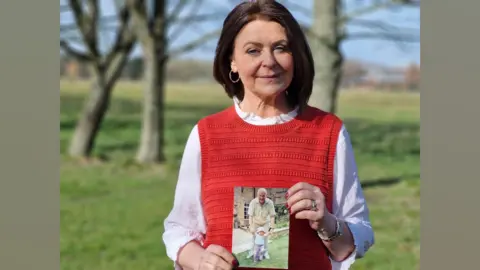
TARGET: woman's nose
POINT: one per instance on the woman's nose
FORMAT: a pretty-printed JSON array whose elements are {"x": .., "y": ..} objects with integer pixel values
[{"x": 268, "y": 60}]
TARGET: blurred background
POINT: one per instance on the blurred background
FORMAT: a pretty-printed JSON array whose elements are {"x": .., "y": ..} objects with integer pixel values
[{"x": 136, "y": 75}]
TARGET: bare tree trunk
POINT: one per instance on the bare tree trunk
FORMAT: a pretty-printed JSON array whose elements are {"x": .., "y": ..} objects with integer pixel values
[
  {"x": 96, "y": 105},
  {"x": 92, "y": 116},
  {"x": 153, "y": 38},
  {"x": 326, "y": 39},
  {"x": 151, "y": 31},
  {"x": 106, "y": 68},
  {"x": 151, "y": 145}
]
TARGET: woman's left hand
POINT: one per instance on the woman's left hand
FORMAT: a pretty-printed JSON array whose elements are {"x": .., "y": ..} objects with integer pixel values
[{"x": 306, "y": 201}]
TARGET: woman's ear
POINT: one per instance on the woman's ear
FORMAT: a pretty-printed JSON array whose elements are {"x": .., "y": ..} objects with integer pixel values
[{"x": 233, "y": 66}]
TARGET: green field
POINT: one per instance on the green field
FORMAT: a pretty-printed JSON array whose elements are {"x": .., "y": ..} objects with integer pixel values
[{"x": 112, "y": 213}]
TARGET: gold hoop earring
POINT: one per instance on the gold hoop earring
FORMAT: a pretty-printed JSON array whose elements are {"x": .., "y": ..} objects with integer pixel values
[{"x": 230, "y": 76}]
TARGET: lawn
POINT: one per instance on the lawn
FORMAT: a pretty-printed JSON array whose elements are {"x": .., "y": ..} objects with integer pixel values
[
  {"x": 278, "y": 251},
  {"x": 112, "y": 214}
]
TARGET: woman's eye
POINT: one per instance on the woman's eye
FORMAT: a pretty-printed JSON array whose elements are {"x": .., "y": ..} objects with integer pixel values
[
  {"x": 252, "y": 51},
  {"x": 280, "y": 48}
]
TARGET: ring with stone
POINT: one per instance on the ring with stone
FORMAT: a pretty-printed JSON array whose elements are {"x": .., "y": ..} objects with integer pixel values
[{"x": 314, "y": 205}]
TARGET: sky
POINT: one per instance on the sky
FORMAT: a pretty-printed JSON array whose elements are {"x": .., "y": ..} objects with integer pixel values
[{"x": 374, "y": 51}]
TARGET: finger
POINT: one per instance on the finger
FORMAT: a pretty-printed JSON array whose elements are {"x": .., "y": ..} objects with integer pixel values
[
  {"x": 222, "y": 253},
  {"x": 309, "y": 215},
  {"x": 318, "y": 192},
  {"x": 297, "y": 187},
  {"x": 207, "y": 266},
  {"x": 213, "y": 261},
  {"x": 305, "y": 204},
  {"x": 304, "y": 194}
]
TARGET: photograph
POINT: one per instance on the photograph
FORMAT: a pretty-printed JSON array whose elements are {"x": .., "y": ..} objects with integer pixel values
[{"x": 260, "y": 227}]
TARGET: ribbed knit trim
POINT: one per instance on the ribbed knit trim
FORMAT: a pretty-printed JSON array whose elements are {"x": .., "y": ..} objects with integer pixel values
[{"x": 299, "y": 120}]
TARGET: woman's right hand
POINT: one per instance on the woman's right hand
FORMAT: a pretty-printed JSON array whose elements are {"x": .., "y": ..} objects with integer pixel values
[{"x": 215, "y": 257}]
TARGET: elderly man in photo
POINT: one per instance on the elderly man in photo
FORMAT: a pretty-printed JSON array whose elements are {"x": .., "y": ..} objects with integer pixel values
[{"x": 261, "y": 213}]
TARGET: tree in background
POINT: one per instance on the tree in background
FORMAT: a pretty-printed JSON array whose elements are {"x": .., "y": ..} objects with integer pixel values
[
  {"x": 148, "y": 22},
  {"x": 106, "y": 67},
  {"x": 327, "y": 33},
  {"x": 151, "y": 24}
]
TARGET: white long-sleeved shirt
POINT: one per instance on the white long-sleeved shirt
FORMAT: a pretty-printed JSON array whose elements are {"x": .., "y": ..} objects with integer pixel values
[{"x": 186, "y": 221}]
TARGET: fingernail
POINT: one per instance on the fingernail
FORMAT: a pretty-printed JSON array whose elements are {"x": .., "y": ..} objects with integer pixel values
[
  {"x": 286, "y": 195},
  {"x": 235, "y": 263}
]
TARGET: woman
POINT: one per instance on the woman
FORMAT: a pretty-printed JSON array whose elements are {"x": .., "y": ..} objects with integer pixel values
[{"x": 271, "y": 138}]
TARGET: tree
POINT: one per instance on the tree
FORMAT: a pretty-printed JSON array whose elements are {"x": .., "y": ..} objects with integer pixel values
[
  {"x": 151, "y": 27},
  {"x": 106, "y": 68},
  {"x": 327, "y": 33}
]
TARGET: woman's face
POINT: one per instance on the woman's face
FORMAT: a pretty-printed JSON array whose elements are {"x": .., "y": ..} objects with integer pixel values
[{"x": 262, "y": 58}]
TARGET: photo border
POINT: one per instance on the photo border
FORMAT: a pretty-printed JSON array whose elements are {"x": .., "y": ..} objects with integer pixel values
[{"x": 255, "y": 195}]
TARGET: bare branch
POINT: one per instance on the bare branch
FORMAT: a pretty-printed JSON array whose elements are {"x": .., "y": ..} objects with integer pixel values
[
  {"x": 380, "y": 25},
  {"x": 87, "y": 24},
  {"x": 77, "y": 13},
  {"x": 377, "y": 5},
  {"x": 346, "y": 18},
  {"x": 91, "y": 34},
  {"x": 138, "y": 11},
  {"x": 124, "y": 36},
  {"x": 68, "y": 27},
  {"x": 195, "y": 43},
  {"x": 73, "y": 52},
  {"x": 159, "y": 23},
  {"x": 181, "y": 27},
  {"x": 192, "y": 18},
  {"x": 177, "y": 10},
  {"x": 397, "y": 37},
  {"x": 72, "y": 38},
  {"x": 117, "y": 63}
]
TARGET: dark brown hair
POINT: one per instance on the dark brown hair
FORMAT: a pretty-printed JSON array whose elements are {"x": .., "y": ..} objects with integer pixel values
[{"x": 300, "y": 88}]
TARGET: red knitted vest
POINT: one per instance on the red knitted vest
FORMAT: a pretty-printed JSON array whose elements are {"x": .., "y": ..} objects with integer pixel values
[{"x": 236, "y": 153}]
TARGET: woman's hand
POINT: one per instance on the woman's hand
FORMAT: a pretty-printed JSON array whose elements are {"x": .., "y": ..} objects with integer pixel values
[
  {"x": 215, "y": 257},
  {"x": 306, "y": 201}
]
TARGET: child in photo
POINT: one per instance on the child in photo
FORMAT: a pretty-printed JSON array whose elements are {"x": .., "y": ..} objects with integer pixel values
[{"x": 259, "y": 249}]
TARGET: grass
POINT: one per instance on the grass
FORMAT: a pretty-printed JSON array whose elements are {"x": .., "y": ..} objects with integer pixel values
[
  {"x": 278, "y": 251},
  {"x": 112, "y": 214}
]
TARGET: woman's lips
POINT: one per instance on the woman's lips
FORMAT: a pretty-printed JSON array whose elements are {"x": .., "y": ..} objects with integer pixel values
[{"x": 274, "y": 76}]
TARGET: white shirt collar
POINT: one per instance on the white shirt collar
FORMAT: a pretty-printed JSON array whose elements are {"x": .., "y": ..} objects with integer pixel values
[{"x": 252, "y": 118}]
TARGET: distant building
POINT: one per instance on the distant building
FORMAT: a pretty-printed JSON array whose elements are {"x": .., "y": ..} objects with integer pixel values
[
  {"x": 379, "y": 77},
  {"x": 385, "y": 79}
]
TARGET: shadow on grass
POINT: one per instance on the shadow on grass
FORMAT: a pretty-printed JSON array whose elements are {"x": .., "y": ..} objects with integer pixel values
[
  {"x": 387, "y": 181},
  {"x": 121, "y": 129},
  {"x": 71, "y": 106},
  {"x": 392, "y": 139}
]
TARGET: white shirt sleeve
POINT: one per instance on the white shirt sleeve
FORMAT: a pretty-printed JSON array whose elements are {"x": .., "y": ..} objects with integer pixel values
[
  {"x": 186, "y": 220},
  {"x": 349, "y": 202}
]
